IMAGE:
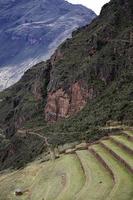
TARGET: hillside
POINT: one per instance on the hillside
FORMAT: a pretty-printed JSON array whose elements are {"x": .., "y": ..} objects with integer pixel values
[
  {"x": 101, "y": 171},
  {"x": 85, "y": 84},
  {"x": 30, "y": 31}
]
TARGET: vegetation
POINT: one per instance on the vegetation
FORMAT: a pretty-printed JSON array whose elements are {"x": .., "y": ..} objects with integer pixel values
[
  {"x": 97, "y": 178},
  {"x": 93, "y": 174},
  {"x": 100, "y": 55}
]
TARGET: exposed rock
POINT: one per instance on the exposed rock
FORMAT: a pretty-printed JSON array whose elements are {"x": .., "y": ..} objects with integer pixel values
[
  {"x": 18, "y": 192},
  {"x": 70, "y": 151},
  {"x": 20, "y": 120},
  {"x": 82, "y": 146},
  {"x": 62, "y": 104},
  {"x": 37, "y": 90},
  {"x": 58, "y": 55}
]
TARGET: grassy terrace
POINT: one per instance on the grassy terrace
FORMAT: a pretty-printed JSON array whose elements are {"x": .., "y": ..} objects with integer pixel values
[
  {"x": 119, "y": 151},
  {"x": 128, "y": 133},
  {"x": 123, "y": 140},
  {"x": 75, "y": 178},
  {"x": 98, "y": 181},
  {"x": 123, "y": 188},
  {"x": 19, "y": 179},
  {"x": 94, "y": 174},
  {"x": 61, "y": 179}
]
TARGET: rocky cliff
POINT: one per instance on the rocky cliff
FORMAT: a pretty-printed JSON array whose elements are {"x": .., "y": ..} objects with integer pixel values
[
  {"x": 87, "y": 82},
  {"x": 65, "y": 103}
]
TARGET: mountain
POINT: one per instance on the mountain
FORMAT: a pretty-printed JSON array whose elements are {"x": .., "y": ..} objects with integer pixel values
[
  {"x": 30, "y": 31},
  {"x": 85, "y": 84}
]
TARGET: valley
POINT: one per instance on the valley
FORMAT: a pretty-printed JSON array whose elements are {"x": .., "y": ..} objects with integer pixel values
[{"x": 66, "y": 127}]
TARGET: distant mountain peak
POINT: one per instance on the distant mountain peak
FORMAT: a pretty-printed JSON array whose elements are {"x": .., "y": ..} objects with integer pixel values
[{"x": 31, "y": 30}]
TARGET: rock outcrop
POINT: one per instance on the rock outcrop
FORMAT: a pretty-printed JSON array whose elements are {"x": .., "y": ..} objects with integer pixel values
[{"x": 63, "y": 104}]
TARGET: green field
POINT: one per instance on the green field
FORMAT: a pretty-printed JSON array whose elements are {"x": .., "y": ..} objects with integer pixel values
[{"x": 93, "y": 174}]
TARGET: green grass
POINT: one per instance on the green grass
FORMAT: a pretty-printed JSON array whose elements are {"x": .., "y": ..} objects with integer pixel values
[
  {"x": 45, "y": 180},
  {"x": 75, "y": 178},
  {"x": 18, "y": 179},
  {"x": 130, "y": 133},
  {"x": 98, "y": 181},
  {"x": 123, "y": 140},
  {"x": 79, "y": 176},
  {"x": 119, "y": 151},
  {"x": 123, "y": 188},
  {"x": 60, "y": 179}
]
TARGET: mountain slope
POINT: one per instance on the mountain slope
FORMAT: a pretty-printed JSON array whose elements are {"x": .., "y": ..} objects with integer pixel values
[
  {"x": 96, "y": 169},
  {"x": 30, "y": 31},
  {"x": 87, "y": 82}
]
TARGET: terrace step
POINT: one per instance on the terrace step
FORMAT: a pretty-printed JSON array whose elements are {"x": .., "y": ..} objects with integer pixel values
[
  {"x": 120, "y": 154},
  {"x": 75, "y": 178},
  {"x": 123, "y": 142},
  {"x": 98, "y": 180},
  {"x": 123, "y": 180},
  {"x": 128, "y": 134}
]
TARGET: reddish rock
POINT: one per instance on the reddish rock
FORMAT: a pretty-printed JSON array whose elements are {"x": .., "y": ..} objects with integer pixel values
[
  {"x": 19, "y": 121},
  {"x": 57, "y": 105},
  {"x": 63, "y": 104},
  {"x": 37, "y": 90}
]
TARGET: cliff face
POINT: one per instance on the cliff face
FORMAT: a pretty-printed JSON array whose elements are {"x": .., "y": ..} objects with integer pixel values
[
  {"x": 63, "y": 104},
  {"x": 87, "y": 82}
]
